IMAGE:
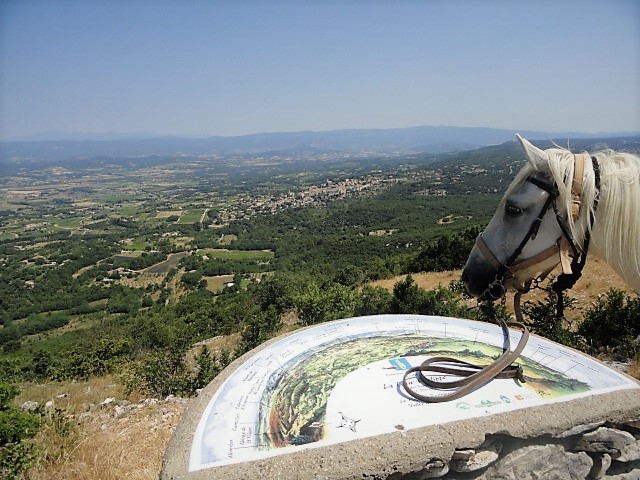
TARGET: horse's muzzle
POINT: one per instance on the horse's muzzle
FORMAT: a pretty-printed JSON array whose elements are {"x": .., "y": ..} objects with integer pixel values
[{"x": 479, "y": 280}]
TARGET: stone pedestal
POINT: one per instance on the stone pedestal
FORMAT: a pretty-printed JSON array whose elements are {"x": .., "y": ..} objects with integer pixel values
[{"x": 594, "y": 433}]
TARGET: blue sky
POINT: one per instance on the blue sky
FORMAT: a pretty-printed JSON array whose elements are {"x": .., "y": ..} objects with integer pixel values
[{"x": 238, "y": 67}]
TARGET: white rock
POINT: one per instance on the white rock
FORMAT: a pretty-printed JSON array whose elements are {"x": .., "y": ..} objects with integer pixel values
[
  {"x": 630, "y": 453},
  {"x": 535, "y": 462},
  {"x": 472, "y": 460},
  {"x": 579, "y": 429},
  {"x": 84, "y": 417},
  {"x": 106, "y": 402},
  {"x": 29, "y": 406}
]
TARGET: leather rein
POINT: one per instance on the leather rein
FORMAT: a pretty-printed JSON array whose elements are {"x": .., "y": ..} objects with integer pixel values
[{"x": 474, "y": 376}]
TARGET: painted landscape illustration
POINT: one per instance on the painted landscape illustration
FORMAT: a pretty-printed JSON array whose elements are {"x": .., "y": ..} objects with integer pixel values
[{"x": 295, "y": 400}]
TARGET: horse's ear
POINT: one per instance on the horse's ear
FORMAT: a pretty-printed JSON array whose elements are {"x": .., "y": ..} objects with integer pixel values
[{"x": 533, "y": 153}]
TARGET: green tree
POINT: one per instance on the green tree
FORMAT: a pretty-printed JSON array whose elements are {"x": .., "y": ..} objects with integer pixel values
[
  {"x": 207, "y": 368},
  {"x": 373, "y": 301},
  {"x": 317, "y": 304},
  {"x": 410, "y": 298},
  {"x": 260, "y": 327},
  {"x": 160, "y": 373},
  {"x": 407, "y": 296},
  {"x": 277, "y": 291},
  {"x": 446, "y": 252},
  {"x": 191, "y": 279}
]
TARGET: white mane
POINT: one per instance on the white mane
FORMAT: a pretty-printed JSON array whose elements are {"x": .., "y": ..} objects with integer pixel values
[{"x": 616, "y": 231}]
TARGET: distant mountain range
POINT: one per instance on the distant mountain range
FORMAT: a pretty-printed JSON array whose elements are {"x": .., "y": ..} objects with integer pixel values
[{"x": 424, "y": 139}]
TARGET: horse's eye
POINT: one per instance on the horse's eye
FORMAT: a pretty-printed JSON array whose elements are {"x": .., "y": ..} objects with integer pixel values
[{"x": 513, "y": 210}]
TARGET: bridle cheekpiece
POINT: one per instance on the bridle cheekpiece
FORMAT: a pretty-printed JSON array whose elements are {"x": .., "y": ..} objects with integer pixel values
[{"x": 564, "y": 252}]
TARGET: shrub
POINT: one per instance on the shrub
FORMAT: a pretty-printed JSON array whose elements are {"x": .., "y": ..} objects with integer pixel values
[
  {"x": 410, "y": 298},
  {"x": 317, "y": 304},
  {"x": 612, "y": 324},
  {"x": 373, "y": 301},
  {"x": 159, "y": 373},
  {"x": 165, "y": 372},
  {"x": 259, "y": 328},
  {"x": 17, "y": 451},
  {"x": 105, "y": 357},
  {"x": 543, "y": 319}
]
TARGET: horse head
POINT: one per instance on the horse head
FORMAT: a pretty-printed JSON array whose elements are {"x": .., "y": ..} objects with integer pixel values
[{"x": 524, "y": 238}]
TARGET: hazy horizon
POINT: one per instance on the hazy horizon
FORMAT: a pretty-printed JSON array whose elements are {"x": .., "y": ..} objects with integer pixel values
[
  {"x": 164, "y": 67},
  {"x": 113, "y": 135}
]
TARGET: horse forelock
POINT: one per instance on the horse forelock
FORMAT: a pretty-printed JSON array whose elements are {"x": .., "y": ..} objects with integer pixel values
[{"x": 616, "y": 230}]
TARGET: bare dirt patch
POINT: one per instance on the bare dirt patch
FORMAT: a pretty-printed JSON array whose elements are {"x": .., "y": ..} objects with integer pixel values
[
  {"x": 169, "y": 213},
  {"x": 142, "y": 280},
  {"x": 382, "y": 233},
  {"x": 216, "y": 284},
  {"x": 451, "y": 219},
  {"x": 426, "y": 280}
]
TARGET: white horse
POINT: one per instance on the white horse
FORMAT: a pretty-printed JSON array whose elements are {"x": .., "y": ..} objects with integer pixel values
[{"x": 558, "y": 206}]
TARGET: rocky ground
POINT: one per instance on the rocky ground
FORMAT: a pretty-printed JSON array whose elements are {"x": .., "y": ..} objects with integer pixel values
[{"x": 94, "y": 432}]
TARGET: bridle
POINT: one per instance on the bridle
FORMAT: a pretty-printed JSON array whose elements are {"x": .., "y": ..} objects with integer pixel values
[
  {"x": 569, "y": 256},
  {"x": 506, "y": 272}
]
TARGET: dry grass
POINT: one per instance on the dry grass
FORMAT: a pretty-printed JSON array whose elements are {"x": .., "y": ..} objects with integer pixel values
[
  {"x": 216, "y": 284},
  {"x": 72, "y": 396},
  {"x": 110, "y": 443},
  {"x": 634, "y": 368},
  {"x": 168, "y": 213},
  {"x": 131, "y": 447}
]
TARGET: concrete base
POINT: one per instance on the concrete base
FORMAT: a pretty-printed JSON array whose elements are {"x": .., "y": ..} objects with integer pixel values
[{"x": 399, "y": 454}]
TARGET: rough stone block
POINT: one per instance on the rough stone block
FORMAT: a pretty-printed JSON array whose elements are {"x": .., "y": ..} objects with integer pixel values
[
  {"x": 630, "y": 453},
  {"x": 533, "y": 462},
  {"x": 605, "y": 440},
  {"x": 601, "y": 464},
  {"x": 476, "y": 460}
]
